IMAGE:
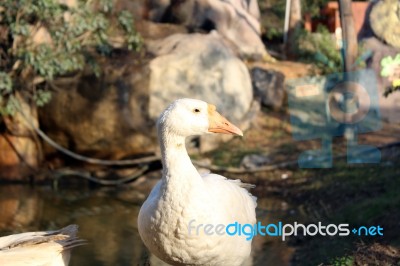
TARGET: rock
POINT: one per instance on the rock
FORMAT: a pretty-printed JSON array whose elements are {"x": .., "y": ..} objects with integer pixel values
[
  {"x": 254, "y": 161},
  {"x": 137, "y": 7},
  {"x": 285, "y": 176},
  {"x": 374, "y": 30},
  {"x": 151, "y": 31},
  {"x": 156, "y": 9},
  {"x": 103, "y": 117},
  {"x": 385, "y": 21},
  {"x": 390, "y": 106},
  {"x": 20, "y": 154},
  {"x": 199, "y": 66},
  {"x": 268, "y": 86},
  {"x": 237, "y": 21}
]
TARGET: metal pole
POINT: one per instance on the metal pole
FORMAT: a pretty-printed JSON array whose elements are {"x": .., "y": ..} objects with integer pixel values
[{"x": 287, "y": 18}]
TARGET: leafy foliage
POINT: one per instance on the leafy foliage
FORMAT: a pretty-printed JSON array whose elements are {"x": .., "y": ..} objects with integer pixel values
[
  {"x": 273, "y": 15},
  {"x": 43, "y": 39},
  {"x": 342, "y": 261},
  {"x": 313, "y": 7},
  {"x": 320, "y": 49},
  {"x": 272, "y": 19}
]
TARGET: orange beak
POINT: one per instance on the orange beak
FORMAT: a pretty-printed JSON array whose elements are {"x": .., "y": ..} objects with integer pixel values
[{"x": 219, "y": 124}]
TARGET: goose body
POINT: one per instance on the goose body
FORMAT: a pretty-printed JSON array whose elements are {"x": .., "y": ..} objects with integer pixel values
[
  {"x": 45, "y": 248},
  {"x": 183, "y": 200}
]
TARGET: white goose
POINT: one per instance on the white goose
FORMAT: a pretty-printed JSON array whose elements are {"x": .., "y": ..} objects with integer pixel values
[
  {"x": 182, "y": 199},
  {"x": 46, "y": 248}
]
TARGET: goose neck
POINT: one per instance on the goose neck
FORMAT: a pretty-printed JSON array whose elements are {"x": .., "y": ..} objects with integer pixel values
[{"x": 175, "y": 159}]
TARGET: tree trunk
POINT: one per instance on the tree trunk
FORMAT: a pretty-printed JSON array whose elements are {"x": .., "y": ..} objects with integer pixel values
[
  {"x": 349, "y": 35},
  {"x": 294, "y": 27}
]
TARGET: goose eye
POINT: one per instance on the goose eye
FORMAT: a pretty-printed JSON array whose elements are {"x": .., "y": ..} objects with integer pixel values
[{"x": 196, "y": 110}]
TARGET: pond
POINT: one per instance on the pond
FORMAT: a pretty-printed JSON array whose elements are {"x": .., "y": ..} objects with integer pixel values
[{"x": 107, "y": 219}]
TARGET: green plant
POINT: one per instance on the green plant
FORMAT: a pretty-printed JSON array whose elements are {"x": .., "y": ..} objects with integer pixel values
[
  {"x": 272, "y": 21},
  {"x": 273, "y": 15},
  {"x": 320, "y": 48},
  {"x": 43, "y": 39},
  {"x": 272, "y": 33},
  {"x": 342, "y": 261},
  {"x": 313, "y": 7}
]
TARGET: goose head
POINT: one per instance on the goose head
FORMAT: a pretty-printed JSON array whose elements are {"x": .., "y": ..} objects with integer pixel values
[{"x": 188, "y": 117}]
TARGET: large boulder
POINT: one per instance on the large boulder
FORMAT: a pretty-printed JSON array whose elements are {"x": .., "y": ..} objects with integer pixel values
[
  {"x": 384, "y": 18},
  {"x": 390, "y": 107},
  {"x": 379, "y": 35},
  {"x": 106, "y": 116},
  {"x": 237, "y": 21},
  {"x": 199, "y": 66}
]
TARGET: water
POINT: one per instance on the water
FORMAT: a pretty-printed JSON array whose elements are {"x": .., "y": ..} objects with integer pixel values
[{"x": 107, "y": 219}]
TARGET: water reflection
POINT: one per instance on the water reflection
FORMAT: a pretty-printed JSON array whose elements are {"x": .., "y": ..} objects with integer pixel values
[
  {"x": 19, "y": 207},
  {"x": 107, "y": 218}
]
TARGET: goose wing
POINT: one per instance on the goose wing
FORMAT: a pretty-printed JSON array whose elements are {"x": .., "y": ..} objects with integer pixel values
[
  {"x": 232, "y": 198},
  {"x": 39, "y": 248}
]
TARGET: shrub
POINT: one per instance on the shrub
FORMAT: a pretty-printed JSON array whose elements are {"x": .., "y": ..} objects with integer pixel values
[
  {"x": 43, "y": 39},
  {"x": 320, "y": 48}
]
